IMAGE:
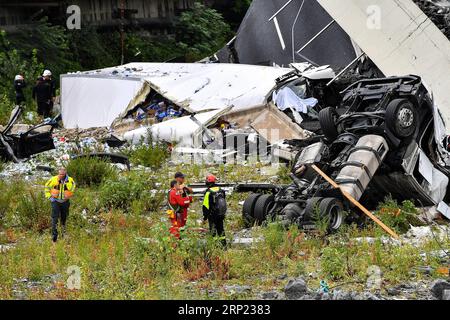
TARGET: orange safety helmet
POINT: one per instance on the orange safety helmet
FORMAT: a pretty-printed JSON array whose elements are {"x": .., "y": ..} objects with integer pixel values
[{"x": 210, "y": 178}]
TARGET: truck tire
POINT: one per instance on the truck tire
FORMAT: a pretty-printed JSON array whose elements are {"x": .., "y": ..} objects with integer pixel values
[
  {"x": 327, "y": 120},
  {"x": 401, "y": 118},
  {"x": 262, "y": 207},
  {"x": 248, "y": 210},
  {"x": 291, "y": 212},
  {"x": 311, "y": 206},
  {"x": 332, "y": 209}
]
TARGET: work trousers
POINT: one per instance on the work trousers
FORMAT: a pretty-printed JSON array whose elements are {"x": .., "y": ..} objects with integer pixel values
[
  {"x": 60, "y": 211},
  {"x": 216, "y": 227},
  {"x": 44, "y": 109}
]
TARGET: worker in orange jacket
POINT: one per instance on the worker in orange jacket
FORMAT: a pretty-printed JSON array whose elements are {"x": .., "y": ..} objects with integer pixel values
[{"x": 179, "y": 202}]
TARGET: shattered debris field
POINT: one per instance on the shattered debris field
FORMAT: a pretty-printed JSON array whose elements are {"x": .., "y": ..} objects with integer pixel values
[{"x": 118, "y": 238}]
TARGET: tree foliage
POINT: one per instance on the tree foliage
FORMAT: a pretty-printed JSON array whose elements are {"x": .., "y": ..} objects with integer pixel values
[
  {"x": 198, "y": 33},
  {"x": 233, "y": 12},
  {"x": 202, "y": 31},
  {"x": 50, "y": 45},
  {"x": 13, "y": 62}
]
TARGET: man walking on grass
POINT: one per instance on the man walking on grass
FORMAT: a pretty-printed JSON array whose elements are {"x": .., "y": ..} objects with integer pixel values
[{"x": 59, "y": 190}]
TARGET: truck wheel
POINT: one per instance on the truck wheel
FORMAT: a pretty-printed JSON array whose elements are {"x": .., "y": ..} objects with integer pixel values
[
  {"x": 292, "y": 212},
  {"x": 248, "y": 210},
  {"x": 332, "y": 209},
  {"x": 401, "y": 117},
  {"x": 262, "y": 207},
  {"x": 327, "y": 120},
  {"x": 312, "y": 205}
]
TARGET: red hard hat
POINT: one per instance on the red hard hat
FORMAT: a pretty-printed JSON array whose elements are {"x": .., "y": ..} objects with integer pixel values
[{"x": 211, "y": 178}]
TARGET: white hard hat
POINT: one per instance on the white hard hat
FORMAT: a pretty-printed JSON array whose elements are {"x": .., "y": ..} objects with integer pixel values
[
  {"x": 47, "y": 73},
  {"x": 18, "y": 77}
]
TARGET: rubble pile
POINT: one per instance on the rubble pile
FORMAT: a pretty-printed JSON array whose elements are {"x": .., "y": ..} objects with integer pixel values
[
  {"x": 67, "y": 144},
  {"x": 76, "y": 134}
]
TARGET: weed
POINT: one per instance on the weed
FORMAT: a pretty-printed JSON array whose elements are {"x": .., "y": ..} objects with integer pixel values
[
  {"x": 274, "y": 235},
  {"x": 333, "y": 262}
]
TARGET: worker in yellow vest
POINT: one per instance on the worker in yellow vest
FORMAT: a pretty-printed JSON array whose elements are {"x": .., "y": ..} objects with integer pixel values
[
  {"x": 59, "y": 190},
  {"x": 214, "y": 208}
]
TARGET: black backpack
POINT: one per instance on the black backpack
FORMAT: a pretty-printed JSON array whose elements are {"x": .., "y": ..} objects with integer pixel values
[{"x": 218, "y": 203}]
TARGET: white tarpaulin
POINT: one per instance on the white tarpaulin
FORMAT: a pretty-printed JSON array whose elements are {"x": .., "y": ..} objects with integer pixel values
[
  {"x": 400, "y": 39},
  {"x": 93, "y": 101},
  {"x": 96, "y": 98}
]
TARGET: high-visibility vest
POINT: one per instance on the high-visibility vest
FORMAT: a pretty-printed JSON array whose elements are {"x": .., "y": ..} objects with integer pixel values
[
  {"x": 59, "y": 191},
  {"x": 206, "y": 198}
]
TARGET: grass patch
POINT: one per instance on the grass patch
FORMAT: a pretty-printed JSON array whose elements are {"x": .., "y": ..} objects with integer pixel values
[{"x": 119, "y": 238}]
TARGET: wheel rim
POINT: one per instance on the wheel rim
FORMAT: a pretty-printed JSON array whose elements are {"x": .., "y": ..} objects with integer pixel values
[
  {"x": 336, "y": 217},
  {"x": 405, "y": 117}
]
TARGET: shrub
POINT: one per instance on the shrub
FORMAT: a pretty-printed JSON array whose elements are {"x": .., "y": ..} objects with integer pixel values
[
  {"x": 150, "y": 155},
  {"x": 398, "y": 217},
  {"x": 8, "y": 198},
  {"x": 5, "y": 109},
  {"x": 120, "y": 193},
  {"x": 133, "y": 193},
  {"x": 33, "y": 211},
  {"x": 90, "y": 171}
]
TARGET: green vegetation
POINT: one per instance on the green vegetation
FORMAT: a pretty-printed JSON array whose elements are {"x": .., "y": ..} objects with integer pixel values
[
  {"x": 151, "y": 155},
  {"x": 202, "y": 31},
  {"x": 399, "y": 218},
  {"x": 118, "y": 236},
  {"x": 90, "y": 171},
  {"x": 197, "y": 33}
]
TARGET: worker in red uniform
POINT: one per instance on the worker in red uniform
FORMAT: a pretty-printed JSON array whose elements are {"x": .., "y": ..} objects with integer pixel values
[{"x": 179, "y": 201}]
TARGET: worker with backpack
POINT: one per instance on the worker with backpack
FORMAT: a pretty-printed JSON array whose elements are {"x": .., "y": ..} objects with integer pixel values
[{"x": 215, "y": 207}]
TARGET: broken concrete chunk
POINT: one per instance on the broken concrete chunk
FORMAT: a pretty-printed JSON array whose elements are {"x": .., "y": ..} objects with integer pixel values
[
  {"x": 233, "y": 289},
  {"x": 446, "y": 295},
  {"x": 295, "y": 289},
  {"x": 439, "y": 287},
  {"x": 271, "y": 295},
  {"x": 341, "y": 295}
]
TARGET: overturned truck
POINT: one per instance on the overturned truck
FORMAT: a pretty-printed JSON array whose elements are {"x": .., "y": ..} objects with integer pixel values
[{"x": 381, "y": 139}]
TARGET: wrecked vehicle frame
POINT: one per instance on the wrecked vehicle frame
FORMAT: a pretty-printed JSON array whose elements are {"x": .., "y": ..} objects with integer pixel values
[
  {"x": 22, "y": 145},
  {"x": 379, "y": 140}
]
